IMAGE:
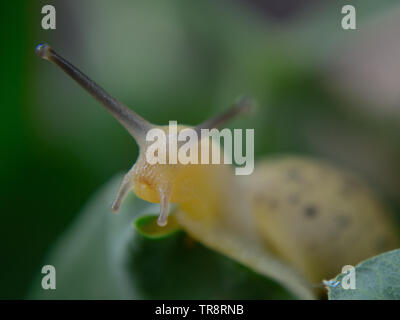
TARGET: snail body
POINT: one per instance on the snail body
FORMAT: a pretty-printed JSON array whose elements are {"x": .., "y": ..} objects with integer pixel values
[{"x": 295, "y": 219}]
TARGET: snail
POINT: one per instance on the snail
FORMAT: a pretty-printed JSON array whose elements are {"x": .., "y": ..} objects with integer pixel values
[{"x": 295, "y": 219}]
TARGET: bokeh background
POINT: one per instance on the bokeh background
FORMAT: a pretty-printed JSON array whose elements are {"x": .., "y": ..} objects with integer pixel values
[{"x": 322, "y": 91}]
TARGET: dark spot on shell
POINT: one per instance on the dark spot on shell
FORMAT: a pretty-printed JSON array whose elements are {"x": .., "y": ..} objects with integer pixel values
[
  {"x": 310, "y": 211},
  {"x": 343, "y": 221}
]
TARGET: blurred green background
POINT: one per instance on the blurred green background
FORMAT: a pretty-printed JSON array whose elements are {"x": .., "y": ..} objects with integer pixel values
[{"x": 322, "y": 91}]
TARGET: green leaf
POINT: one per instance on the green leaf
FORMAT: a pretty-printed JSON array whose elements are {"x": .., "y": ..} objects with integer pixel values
[
  {"x": 127, "y": 256},
  {"x": 377, "y": 278}
]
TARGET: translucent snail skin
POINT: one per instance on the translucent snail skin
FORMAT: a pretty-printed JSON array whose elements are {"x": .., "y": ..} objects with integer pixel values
[{"x": 294, "y": 219}]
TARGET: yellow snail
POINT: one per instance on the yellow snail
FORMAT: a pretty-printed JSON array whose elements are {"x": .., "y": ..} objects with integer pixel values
[{"x": 294, "y": 219}]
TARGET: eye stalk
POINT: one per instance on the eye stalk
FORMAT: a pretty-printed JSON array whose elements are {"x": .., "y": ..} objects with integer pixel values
[
  {"x": 136, "y": 125},
  {"x": 243, "y": 105}
]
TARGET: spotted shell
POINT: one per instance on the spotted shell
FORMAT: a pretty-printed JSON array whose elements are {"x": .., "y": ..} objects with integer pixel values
[{"x": 316, "y": 217}]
